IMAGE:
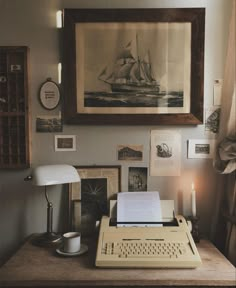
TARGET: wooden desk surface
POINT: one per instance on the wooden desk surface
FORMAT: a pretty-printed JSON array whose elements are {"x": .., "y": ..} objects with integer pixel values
[{"x": 35, "y": 267}]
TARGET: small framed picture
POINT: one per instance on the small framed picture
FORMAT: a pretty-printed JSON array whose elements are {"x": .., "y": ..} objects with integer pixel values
[
  {"x": 65, "y": 143},
  {"x": 137, "y": 179},
  {"x": 48, "y": 123},
  {"x": 90, "y": 198},
  {"x": 201, "y": 148},
  {"x": 49, "y": 94},
  {"x": 130, "y": 152}
]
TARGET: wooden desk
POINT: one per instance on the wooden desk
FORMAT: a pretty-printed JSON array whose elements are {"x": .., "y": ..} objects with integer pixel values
[{"x": 36, "y": 267}]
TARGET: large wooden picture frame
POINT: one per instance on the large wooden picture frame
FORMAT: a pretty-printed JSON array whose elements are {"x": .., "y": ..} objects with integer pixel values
[
  {"x": 134, "y": 66},
  {"x": 89, "y": 199}
]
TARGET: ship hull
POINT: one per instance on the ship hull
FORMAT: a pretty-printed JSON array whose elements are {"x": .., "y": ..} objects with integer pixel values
[{"x": 135, "y": 88}]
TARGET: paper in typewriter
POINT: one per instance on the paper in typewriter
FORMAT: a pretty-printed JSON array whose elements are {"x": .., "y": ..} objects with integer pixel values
[{"x": 139, "y": 207}]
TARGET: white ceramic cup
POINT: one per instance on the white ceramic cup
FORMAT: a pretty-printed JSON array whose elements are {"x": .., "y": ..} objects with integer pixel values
[{"x": 71, "y": 242}]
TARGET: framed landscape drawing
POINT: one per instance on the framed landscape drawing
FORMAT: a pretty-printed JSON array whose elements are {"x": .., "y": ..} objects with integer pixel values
[
  {"x": 65, "y": 142},
  {"x": 134, "y": 66},
  {"x": 201, "y": 148},
  {"x": 89, "y": 198}
]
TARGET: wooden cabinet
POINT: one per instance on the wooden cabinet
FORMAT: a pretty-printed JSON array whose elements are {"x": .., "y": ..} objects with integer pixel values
[{"x": 14, "y": 108}]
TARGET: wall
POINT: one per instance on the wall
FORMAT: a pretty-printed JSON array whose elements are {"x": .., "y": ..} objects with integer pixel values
[{"x": 22, "y": 206}]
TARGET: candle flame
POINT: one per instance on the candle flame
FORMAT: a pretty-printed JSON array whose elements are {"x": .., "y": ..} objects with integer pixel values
[{"x": 193, "y": 186}]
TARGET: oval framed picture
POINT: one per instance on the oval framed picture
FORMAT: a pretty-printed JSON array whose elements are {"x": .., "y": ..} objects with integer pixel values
[{"x": 49, "y": 94}]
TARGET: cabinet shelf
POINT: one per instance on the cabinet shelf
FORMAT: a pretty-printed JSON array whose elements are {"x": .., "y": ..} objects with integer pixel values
[{"x": 14, "y": 110}]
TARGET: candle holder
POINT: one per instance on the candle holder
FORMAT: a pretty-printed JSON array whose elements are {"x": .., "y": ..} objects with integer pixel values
[{"x": 195, "y": 228}]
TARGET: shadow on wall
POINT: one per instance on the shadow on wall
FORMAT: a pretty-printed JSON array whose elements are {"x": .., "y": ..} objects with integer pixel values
[
  {"x": 180, "y": 202},
  {"x": 23, "y": 211},
  {"x": 63, "y": 224}
]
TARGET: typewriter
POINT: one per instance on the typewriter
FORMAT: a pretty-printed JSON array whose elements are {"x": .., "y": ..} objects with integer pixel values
[{"x": 169, "y": 244}]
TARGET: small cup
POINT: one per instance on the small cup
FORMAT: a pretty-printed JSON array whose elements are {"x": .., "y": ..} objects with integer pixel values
[{"x": 71, "y": 242}]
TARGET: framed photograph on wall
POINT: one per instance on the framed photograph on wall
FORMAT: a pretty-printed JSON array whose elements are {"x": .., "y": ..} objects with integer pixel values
[
  {"x": 130, "y": 152},
  {"x": 201, "y": 148},
  {"x": 49, "y": 123},
  {"x": 89, "y": 199},
  {"x": 65, "y": 143},
  {"x": 147, "y": 69},
  {"x": 137, "y": 179}
]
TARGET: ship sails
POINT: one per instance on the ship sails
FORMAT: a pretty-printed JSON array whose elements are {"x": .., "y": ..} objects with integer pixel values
[{"x": 130, "y": 73}]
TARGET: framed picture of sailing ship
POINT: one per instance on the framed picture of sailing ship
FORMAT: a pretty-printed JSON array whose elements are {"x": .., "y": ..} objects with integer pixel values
[{"x": 134, "y": 66}]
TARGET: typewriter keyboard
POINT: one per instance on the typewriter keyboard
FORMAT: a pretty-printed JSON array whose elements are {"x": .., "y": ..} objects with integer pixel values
[{"x": 131, "y": 249}]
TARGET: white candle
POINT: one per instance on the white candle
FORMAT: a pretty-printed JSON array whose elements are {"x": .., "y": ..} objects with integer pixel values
[{"x": 193, "y": 197}]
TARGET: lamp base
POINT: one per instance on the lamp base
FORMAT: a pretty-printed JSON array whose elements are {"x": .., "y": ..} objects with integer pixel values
[{"x": 46, "y": 239}]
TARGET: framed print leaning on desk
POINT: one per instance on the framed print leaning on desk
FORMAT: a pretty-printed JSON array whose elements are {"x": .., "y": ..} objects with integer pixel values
[
  {"x": 89, "y": 199},
  {"x": 134, "y": 66}
]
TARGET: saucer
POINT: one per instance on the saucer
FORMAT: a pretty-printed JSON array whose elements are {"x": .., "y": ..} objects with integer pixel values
[{"x": 83, "y": 249}]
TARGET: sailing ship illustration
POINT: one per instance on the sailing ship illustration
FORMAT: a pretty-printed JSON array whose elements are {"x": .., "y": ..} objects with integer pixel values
[{"x": 130, "y": 73}]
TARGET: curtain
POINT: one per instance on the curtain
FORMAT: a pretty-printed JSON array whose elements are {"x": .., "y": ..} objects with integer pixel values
[{"x": 225, "y": 157}]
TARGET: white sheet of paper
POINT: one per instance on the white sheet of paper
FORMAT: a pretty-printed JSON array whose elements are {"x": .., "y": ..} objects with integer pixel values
[
  {"x": 217, "y": 91},
  {"x": 138, "y": 207}
]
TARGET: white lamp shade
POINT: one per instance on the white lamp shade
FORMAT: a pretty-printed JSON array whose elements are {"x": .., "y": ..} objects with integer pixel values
[{"x": 55, "y": 174}]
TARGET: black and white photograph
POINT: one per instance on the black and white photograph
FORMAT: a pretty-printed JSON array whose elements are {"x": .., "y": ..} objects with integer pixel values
[
  {"x": 137, "y": 179},
  {"x": 130, "y": 152},
  {"x": 65, "y": 143},
  {"x": 201, "y": 148},
  {"x": 49, "y": 124}
]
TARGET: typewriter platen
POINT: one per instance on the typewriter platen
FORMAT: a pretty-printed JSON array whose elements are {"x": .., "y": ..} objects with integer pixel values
[{"x": 168, "y": 246}]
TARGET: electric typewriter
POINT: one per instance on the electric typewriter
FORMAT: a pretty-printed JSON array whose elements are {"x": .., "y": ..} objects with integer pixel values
[{"x": 167, "y": 245}]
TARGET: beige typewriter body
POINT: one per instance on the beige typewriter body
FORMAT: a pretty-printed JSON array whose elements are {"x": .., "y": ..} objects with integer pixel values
[{"x": 146, "y": 247}]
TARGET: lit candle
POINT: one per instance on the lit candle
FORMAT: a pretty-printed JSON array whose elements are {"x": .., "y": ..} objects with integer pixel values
[{"x": 193, "y": 196}]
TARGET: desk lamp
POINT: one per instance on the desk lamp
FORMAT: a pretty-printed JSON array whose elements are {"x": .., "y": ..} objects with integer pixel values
[{"x": 52, "y": 175}]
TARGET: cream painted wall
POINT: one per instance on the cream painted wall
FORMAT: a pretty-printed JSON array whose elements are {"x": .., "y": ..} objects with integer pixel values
[{"x": 22, "y": 206}]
